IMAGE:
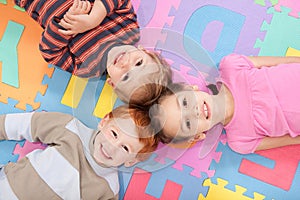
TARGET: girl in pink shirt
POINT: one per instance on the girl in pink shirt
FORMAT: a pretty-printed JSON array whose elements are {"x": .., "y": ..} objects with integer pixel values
[{"x": 258, "y": 103}]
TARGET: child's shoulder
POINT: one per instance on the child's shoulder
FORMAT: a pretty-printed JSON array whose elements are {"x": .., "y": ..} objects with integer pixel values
[{"x": 234, "y": 61}]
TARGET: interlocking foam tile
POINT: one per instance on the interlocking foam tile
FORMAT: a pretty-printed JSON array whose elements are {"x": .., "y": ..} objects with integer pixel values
[
  {"x": 162, "y": 173},
  {"x": 201, "y": 79},
  {"x": 138, "y": 183},
  {"x": 282, "y": 174},
  {"x": 28, "y": 58},
  {"x": 148, "y": 165},
  {"x": 229, "y": 166},
  {"x": 191, "y": 185},
  {"x": 50, "y": 101},
  {"x": 292, "y": 52},
  {"x": 222, "y": 27},
  {"x": 25, "y": 148},
  {"x": 6, "y": 151},
  {"x": 9, "y": 107},
  {"x": 157, "y": 12},
  {"x": 292, "y": 4},
  {"x": 218, "y": 191},
  {"x": 263, "y": 2},
  {"x": 279, "y": 35},
  {"x": 189, "y": 157},
  {"x": 57, "y": 85}
]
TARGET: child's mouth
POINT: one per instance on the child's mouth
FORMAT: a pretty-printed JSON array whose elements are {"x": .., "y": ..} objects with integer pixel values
[
  {"x": 104, "y": 153},
  {"x": 206, "y": 110}
]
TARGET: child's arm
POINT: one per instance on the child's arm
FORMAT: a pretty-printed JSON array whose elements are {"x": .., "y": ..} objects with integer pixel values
[
  {"x": 77, "y": 20},
  {"x": 39, "y": 126},
  {"x": 274, "y": 142},
  {"x": 269, "y": 61},
  {"x": 15, "y": 126}
]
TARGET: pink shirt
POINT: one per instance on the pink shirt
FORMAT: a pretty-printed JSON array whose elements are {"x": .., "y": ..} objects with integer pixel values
[{"x": 266, "y": 101}]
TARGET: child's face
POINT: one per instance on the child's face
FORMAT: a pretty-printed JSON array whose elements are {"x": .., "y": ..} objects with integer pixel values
[
  {"x": 193, "y": 111},
  {"x": 115, "y": 146},
  {"x": 124, "y": 58}
]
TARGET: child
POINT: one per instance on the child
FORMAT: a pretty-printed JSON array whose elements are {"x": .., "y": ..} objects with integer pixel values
[
  {"x": 89, "y": 43},
  {"x": 258, "y": 104},
  {"x": 79, "y": 163}
]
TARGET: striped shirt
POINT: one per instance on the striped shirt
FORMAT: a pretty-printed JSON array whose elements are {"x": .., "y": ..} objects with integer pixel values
[
  {"x": 64, "y": 170},
  {"x": 85, "y": 54}
]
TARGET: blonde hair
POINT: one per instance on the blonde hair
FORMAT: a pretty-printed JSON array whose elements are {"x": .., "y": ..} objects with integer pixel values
[
  {"x": 148, "y": 93},
  {"x": 145, "y": 132}
]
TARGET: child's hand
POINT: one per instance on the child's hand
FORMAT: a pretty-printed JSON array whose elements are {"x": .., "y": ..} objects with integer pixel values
[
  {"x": 75, "y": 24},
  {"x": 80, "y": 7}
]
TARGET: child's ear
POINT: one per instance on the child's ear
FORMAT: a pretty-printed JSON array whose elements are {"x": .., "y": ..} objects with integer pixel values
[
  {"x": 131, "y": 162},
  {"x": 103, "y": 122},
  {"x": 109, "y": 81},
  {"x": 197, "y": 137}
]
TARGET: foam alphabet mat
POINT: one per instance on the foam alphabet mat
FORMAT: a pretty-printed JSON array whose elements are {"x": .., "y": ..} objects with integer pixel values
[{"x": 221, "y": 27}]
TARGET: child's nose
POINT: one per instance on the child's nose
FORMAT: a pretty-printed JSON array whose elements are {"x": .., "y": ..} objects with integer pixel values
[{"x": 197, "y": 111}]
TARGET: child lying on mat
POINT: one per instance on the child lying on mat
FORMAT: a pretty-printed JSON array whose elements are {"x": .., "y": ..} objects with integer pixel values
[
  {"x": 79, "y": 163},
  {"x": 258, "y": 104},
  {"x": 88, "y": 38}
]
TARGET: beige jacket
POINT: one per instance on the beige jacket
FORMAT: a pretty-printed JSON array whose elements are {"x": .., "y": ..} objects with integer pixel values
[{"x": 64, "y": 170}]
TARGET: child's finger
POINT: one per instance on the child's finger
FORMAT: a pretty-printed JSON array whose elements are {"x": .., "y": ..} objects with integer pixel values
[
  {"x": 89, "y": 6},
  {"x": 65, "y": 24},
  {"x": 75, "y": 4},
  {"x": 66, "y": 32},
  {"x": 86, "y": 6},
  {"x": 69, "y": 18},
  {"x": 80, "y": 5}
]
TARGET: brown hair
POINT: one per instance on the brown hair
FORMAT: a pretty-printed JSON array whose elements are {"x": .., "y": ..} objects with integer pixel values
[{"x": 145, "y": 132}]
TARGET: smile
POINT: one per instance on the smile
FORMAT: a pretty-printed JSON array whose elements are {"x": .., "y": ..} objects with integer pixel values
[
  {"x": 205, "y": 110},
  {"x": 104, "y": 153}
]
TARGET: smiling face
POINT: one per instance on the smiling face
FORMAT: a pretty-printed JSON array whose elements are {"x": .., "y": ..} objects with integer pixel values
[
  {"x": 124, "y": 58},
  {"x": 188, "y": 114},
  {"x": 114, "y": 146}
]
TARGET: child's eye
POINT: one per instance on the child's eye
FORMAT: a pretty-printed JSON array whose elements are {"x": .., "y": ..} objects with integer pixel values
[
  {"x": 125, "y": 77},
  {"x": 184, "y": 102},
  {"x": 115, "y": 135},
  {"x": 125, "y": 148},
  {"x": 188, "y": 124},
  {"x": 139, "y": 63}
]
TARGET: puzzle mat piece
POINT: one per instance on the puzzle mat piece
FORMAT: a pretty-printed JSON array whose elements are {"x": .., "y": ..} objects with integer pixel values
[
  {"x": 29, "y": 58},
  {"x": 292, "y": 4},
  {"x": 162, "y": 173},
  {"x": 282, "y": 174},
  {"x": 281, "y": 33},
  {"x": 188, "y": 157},
  {"x": 6, "y": 151},
  {"x": 9, "y": 107},
  {"x": 149, "y": 165},
  {"x": 57, "y": 85},
  {"x": 218, "y": 191},
  {"x": 154, "y": 13},
  {"x": 191, "y": 185},
  {"x": 228, "y": 169},
  {"x": 264, "y": 2},
  {"x": 27, "y": 147},
  {"x": 212, "y": 27},
  {"x": 138, "y": 184}
]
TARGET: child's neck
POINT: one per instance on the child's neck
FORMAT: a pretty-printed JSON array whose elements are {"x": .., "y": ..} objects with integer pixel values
[{"x": 227, "y": 101}]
